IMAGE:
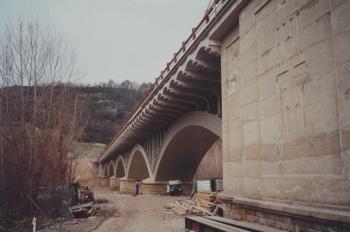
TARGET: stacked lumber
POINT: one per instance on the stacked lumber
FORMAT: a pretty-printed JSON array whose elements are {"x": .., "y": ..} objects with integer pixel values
[
  {"x": 202, "y": 203},
  {"x": 211, "y": 185},
  {"x": 204, "y": 186}
]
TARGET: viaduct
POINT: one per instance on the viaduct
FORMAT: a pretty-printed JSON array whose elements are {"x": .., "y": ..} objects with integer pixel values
[{"x": 263, "y": 86}]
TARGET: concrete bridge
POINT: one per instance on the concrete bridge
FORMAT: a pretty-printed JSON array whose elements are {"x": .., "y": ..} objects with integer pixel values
[
  {"x": 179, "y": 120},
  {"x": 263, "y": 86}
]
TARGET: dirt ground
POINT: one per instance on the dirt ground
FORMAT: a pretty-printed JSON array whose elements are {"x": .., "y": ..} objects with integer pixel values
[{"x": 127, "y": 213}]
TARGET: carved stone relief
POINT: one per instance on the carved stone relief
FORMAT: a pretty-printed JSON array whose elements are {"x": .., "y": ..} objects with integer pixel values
[
  {"x": 292, "y": 76},
  {"x": 232, "y": 67}
]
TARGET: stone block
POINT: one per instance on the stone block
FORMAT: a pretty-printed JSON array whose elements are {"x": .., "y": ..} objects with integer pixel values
[
  {"x": 224, "y": 86},
  {"x": 251, "y": 133},
  {"x": 250, "y": 112},
  {"x": 251, "y": 168},
  {"x": 247, "y": 71},
  {"x": 127, "y": 186},
  {"x": 320, "y": 89},
  {"x": 320, "y": 58},
  {"x": 271, "y": 129},
  {"x": 236, "y": 155},
  {"x": 324, "y": 116},
  {"x": 252, "y": 218},
  {"x": 269, "y": 107},
  {"x": 248, "y": 40},
  {"x": 267, "y": 28},
  {"x": 252, "y": 182},
  {"x": 114, "y": 183},
  {"x": 247, "y": 58},
  {"x": 270, "y": 168},
  {"x": 282, "y": 225},
  {"x": 344, "y": 94},
  {"x": 264, "y": 9},
  {"x": 249, "y": 93},
  {"x": 234, "y": 169},
  {"x": 314, "y": 10},
  {"x": 342, "y": 48},
  {"x": 234, "y": 184},
  {"x": 346, "y": 163},
  {"x": 322, "y": 165},
  {"x": 345, "y": 138},
  {"x": 235, "y": 141},
  {"x": 270, "y": 152},
  {"x": 341, "y": 17},
  {"x": 251, "y": 152},
  {"x": 337, "y": 3},
  {"x": 317, "y": 31},
  {"x": 234, "y": 107},
  {"x": 267, "y": 61},
  {"x": 314, "y": 146},
  {"x": 267, "y": 84},
  {"x": 271, "y": 187},
  {"x": 247, "y": 18}
]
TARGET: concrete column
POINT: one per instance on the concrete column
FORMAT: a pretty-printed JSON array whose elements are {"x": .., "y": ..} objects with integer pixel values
[
  {"x": 114, "y": 183},
  {"x": 104, "y": 181},
  {"x": 126, "y": 185}
]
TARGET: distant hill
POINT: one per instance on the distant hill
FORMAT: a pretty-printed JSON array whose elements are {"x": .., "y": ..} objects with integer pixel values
[{"x": 107, "y": 106}]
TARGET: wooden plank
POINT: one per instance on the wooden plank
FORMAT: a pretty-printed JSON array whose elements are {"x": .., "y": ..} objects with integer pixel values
[
  {"x": 182, "y": 207},
  {"x": 213, "y": 224},
  {"x": 178, "y": 212},
  {"x": 244, "y": 225}
]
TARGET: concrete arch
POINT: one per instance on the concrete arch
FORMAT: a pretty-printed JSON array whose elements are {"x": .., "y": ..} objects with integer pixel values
[
  {"x": 105, "y": 170},
  {"x": 185, "y": 145},
  {"x": 138, "y": 166},
  {"x": 120, "y": 167},
  {"x": 110, "y": 169}
]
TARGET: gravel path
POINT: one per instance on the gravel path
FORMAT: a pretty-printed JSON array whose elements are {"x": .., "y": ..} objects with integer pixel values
[{"x": 141, "y": 213}]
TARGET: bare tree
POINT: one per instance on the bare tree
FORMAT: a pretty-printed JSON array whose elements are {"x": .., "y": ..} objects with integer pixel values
[{"x": 40, "y": 111}]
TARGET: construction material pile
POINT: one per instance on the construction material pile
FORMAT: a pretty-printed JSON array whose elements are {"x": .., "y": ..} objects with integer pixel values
[{"x": 202, "y": 203}]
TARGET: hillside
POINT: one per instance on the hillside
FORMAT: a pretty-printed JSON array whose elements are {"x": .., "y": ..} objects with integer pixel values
[{"x": 107, "y": 106}]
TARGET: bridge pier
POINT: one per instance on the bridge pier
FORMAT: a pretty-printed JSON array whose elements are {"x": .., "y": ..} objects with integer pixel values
[
  {"x": 114, "y": 183},
  {"x": 104, "y": 181},
  {"x": 126, "y": 185}
]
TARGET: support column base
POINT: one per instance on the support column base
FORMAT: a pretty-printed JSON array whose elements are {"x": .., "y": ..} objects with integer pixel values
[
  {"x": 286, "y": 215},
  {"x": 127, "y": 186},
  {"x": 114, "y": 183},
  {"x": 104, "y": 181}
]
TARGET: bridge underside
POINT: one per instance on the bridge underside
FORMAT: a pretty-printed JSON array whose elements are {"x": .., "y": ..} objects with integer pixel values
[
  {"x": 137, "y": 169},
  {"x": 120, "y": 172},
  {"x": 184, "y": 153}
]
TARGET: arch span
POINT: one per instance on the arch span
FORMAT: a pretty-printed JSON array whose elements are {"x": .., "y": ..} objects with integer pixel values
[
  {"x": 138, "y": 166},
  {"x": 120, "y": 167},
  {"x": 105, "y": 170},
  {"x": 186, "y": 144},
  {"x": 111, "y": 169}
]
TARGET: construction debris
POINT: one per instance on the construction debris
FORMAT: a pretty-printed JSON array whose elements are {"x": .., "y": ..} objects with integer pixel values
[{"x": 202, "y": 203}]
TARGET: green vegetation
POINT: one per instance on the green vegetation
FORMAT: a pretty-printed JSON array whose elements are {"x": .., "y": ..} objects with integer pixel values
[{"x": 108, "y": 104}]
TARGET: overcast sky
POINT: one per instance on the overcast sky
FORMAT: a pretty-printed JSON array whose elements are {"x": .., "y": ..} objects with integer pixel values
[{"x": 115, "y": 39}]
